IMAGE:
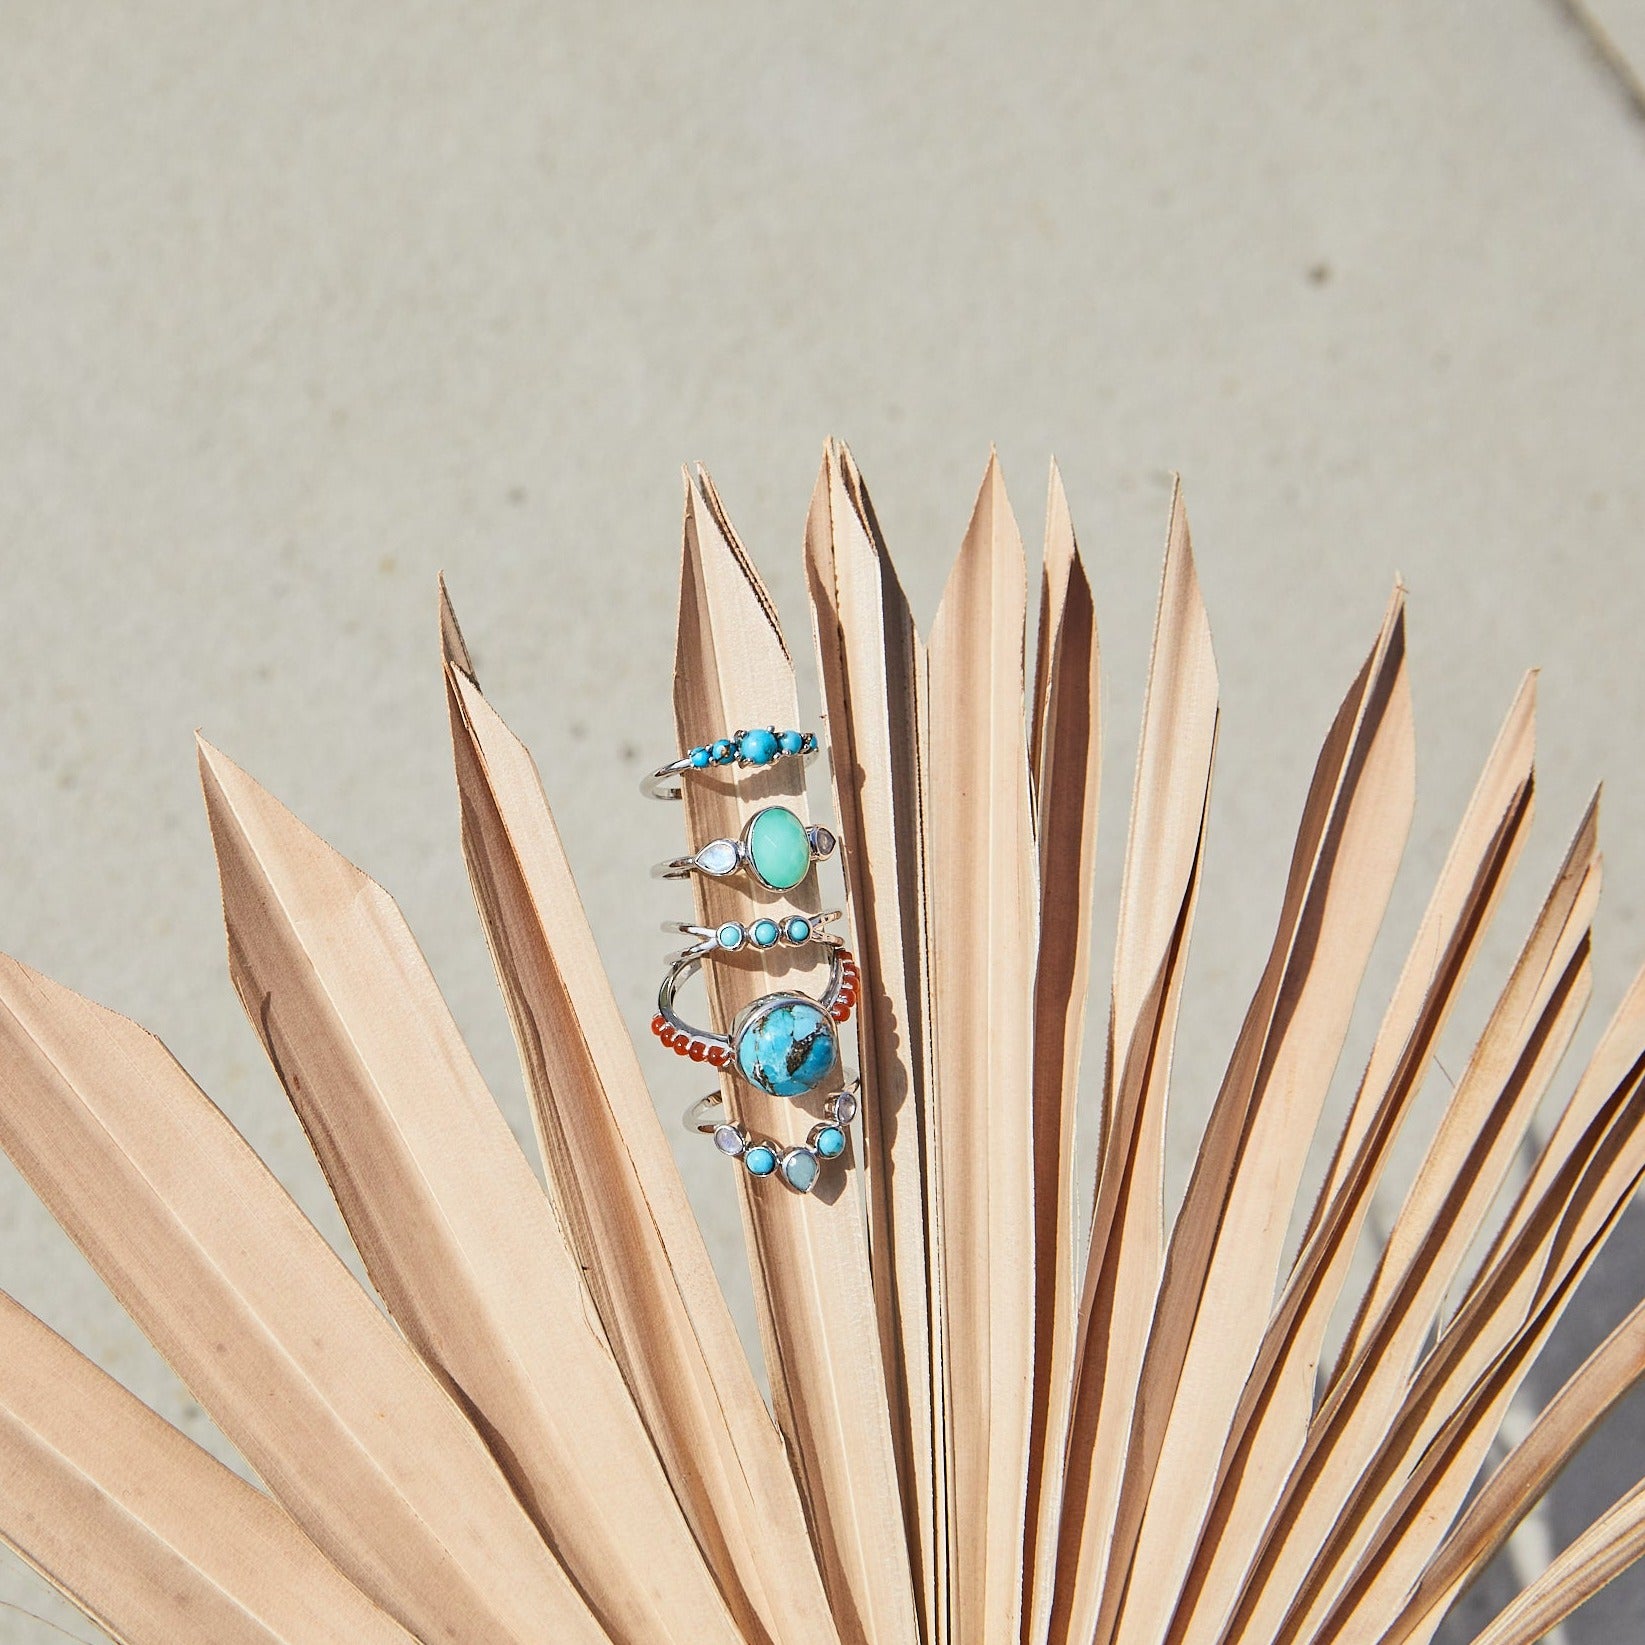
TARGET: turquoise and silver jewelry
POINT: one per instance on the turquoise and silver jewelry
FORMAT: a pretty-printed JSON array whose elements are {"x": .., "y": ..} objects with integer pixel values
[
  {"x": 799, "y": 1167},
  {"x": 776, "y": 849},
  {"x": 786, "y": 1044},
  {"x": 791, "y": 931},
  {"x": 762, "y": 746}
]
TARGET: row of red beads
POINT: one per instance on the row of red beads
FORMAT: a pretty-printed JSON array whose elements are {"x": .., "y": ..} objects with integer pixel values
[{"x": 701, "y": 1050}]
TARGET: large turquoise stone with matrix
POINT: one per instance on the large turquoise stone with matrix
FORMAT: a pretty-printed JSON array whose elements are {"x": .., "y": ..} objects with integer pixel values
[{"x": 785, "y": 1044}]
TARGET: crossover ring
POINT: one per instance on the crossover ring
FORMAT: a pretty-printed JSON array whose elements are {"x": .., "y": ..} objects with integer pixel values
[
  {"x": 786, "y": 1044},
  {"x": 775, "y": 849},
  {"x": 764, "y": 745},
  {"x": 792, "y": 931}
]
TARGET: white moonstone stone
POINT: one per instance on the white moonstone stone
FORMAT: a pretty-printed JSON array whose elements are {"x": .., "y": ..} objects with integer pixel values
[{"x": 718, "y": 857}]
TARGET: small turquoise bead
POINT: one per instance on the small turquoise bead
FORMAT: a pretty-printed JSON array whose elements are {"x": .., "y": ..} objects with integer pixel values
[
  {"x": 808, "y": 743},
  {"x": 760, "y": 1160},
  {"x": 729, "y": 935},
  {"x": 699, "y": 758},
  {"x": 758, "y": 747},
  {"x": 797, "y": 930},
  {"x": 724, "y": 751},
  {"x": 764, "y": 933},
  {"x": 829, "y": 1142},
  {"x": 790, "y": 742}
]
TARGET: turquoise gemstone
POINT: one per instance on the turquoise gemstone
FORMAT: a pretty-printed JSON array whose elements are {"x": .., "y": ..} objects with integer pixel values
[
  {"x": 779, "y": 848},
  {"x": 699, "y": 757},
  {"x": 729, "y": 935},
  {"x": 796, "y": 929},
  {"x": 764, "y": 933},
  {"x": 829, "y": 1142},
  {"x": 785, "y": 1044},
  {"x": 760, "y": 1160},
  {"x": 758, "y": 747},
  {"x": 724, "y": 751},
  {"x": 801, "y": 1169},
  {"x": 808, "y": 743},
  {"x": 790, "y": 742}
]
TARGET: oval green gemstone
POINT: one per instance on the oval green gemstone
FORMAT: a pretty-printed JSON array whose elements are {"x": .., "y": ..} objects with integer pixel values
[{"x": 778, "y": 848}]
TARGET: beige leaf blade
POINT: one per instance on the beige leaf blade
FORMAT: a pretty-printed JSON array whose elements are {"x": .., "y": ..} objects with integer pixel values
[
  {"x": 1164, "y": 856},
  {"x": 453, "y": 1228},
  {"x": 1065, "y": 753},
  {"x": 1271, "y": 1425},
  {"x": 984, "y": 909},
  {"x": 812, "y": 1283},
  {"x": 1514, "y": 1489},
  {"x": 1612, "y": 1062},
  {"x": 1423, "y": 1471},
  {"x": 266, "y": 1327},
  {"x": 1224, "y": 1259},
  {"x": 618, "y": 1190},
  {"x": 148, "y": 1534},
  {"x": 1529, "y": 1028},
  {"x": 1603, "y": 1552},
  {"x": 873, "y": 669}
]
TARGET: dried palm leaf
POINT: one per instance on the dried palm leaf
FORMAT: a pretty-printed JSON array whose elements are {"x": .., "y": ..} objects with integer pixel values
[{"x": 967, "y": 1444}]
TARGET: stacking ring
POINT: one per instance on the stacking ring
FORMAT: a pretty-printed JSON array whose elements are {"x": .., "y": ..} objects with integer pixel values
[
  {"x": 775, "y": 848},
  {"x": 792, "y": 931},
  {"x": 798, "y": 1167},
  {"x": 761, "y": 746},
  {"x": 786, "y": 1044}
]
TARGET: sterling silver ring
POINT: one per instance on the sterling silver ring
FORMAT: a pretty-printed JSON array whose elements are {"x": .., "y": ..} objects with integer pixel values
[
  {"x": 764, "y": 745},
  {"x": 798, "y": 1167},
  {"x": 775, "y": 849},
  {"x": 792, "y": 931},
  {"x": 787, "y": 1044}
]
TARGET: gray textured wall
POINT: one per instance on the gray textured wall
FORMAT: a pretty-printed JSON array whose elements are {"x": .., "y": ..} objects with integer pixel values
[{"x": 300, "y": 304}]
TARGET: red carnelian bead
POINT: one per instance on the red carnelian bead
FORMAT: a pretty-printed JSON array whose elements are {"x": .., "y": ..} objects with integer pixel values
[
  {"x": 840, "y": 1011},
  {"x": 666, "y": 1034},
  {"x": 697, "y": 1051},
  {"x": 658, "y": 1023},
  {"x": 720, "y": 1055},
  {"x": 682, "y": 1046}
]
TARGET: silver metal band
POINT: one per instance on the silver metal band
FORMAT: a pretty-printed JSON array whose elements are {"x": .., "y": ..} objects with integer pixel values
[
  {"x": 756, "y": 936},
  {"x": 682, "y": 968},
  {"x": 762, "y": 746},
  {"x": 799, "y": 1167},
  {"x": 748, "y": 854}
]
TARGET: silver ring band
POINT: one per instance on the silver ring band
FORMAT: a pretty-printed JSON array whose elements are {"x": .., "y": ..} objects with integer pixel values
[
  {"x": 762, "y": 746},
  {"x": 775, "y": 849},
  {"x": 734, "y": 937},
  {"x": 786, "y": 1044},
  {"x": 798, "y": 1168}
]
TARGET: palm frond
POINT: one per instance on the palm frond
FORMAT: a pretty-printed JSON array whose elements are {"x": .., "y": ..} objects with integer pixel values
[{"x": 982, "y": 1429}]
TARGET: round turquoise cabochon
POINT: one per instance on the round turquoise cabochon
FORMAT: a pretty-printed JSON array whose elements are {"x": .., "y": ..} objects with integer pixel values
[{"x": 786, "y": 1044}]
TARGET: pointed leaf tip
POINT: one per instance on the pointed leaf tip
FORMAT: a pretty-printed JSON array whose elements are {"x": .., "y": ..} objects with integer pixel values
[{"x": 453, "y": 648}]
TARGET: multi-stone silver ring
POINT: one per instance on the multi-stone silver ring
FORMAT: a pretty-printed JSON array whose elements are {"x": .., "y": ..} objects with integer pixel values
[
  {"x": 797, "y": 1167},
  {"x": 764, "y": 745},
  {"x": 775, "y": 849},
  {"x": 787, "y": 1044},
  {"x": 791, "y": 931}
]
